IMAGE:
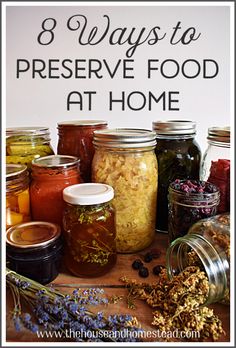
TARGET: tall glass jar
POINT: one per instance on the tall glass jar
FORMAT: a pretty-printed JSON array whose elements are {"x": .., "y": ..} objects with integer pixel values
[
  {"x": 125, "y": 159},
  {"x": 215, "y": 166},
  {"x": 89, "y": 229},
  {"x": 23, "y": 144},
  {"x": 76, "y": 139},
  {"x": 207, "y": 245},
  {"x": 50, "y": 175},
  {"x": 189, "y": 202},
  {"x": 178, "y": 156},
  {"x": 17, "y": 194}
]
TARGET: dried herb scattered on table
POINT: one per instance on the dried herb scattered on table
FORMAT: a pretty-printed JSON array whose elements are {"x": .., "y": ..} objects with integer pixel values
[{"x": 179, "y": 303}]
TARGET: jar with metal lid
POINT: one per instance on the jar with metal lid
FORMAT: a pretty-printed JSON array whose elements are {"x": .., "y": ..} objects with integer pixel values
[
  {"x": 76, "y": 139},
  {"x": 125, "y": 159},
  {"x": 17, "y": 194},
  {"x": 215, "y": 166},
  {"x": 207, "y": 245},
  {"x": 50, "y": 175},
  {"x": 189, "y": 202},
  {"x": 23, "y": 144},
  {"x": 34, "y": 249},
  {"x": 89, "y": 229},
  {"x": 178, "y": 156}
]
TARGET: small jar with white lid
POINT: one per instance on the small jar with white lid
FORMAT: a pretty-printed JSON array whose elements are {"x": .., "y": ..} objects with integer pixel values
[{"x": 89, "y": 229}]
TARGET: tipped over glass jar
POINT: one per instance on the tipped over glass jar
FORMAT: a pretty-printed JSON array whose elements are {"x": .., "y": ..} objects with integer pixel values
[{"x": 207, "y": 245}]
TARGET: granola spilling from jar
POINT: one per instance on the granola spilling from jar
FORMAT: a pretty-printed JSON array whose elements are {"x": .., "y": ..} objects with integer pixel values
[{"x": 179, "y": 304}]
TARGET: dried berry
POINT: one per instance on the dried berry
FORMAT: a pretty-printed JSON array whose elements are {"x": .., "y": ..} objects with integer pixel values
[
  {"x": 143, "y": 272},
  {"x": 156, "y": 253},
  {"x": 157, "y": 269},
  {"x": 137, "y": 264},
  {"x": 148, "y": 257}
]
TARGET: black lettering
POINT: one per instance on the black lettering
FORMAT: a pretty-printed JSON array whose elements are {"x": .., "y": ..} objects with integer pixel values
[
  {"x": 161, "y": 97},
  {"x": 79, "y": 101},
  {"x": 19, "y": 67},
  {"x": 171, "y": 101},
  {"x": 111, "y": 100},
  {"x": 205, "y": 61},
  {"x": 150, "y": 66},
  {"x": 90, "y": 93},
  {"x": 162, "y": 68},
  {"x": 52, "y": 68},
  {"x": 183, "y": 68},
  {"x": 78, "y": 68},
  {"x": 67, "y": 68},
  {"x": 39, "y": 69},
  {"x": 93, "y": 70},
  {"x": 136, "y": 93}
]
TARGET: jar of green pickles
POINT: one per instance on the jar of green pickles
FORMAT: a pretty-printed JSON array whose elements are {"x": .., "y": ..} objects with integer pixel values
[
  {"x": 23, "y": 144},
  {"x": 178, "y": 157}
]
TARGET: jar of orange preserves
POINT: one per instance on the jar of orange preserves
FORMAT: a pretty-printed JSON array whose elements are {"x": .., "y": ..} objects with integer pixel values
[
  {"x": 89, "y": 229},
  {"x": 76, "y": 139},
  {"x": 17, "y": 194},
  {"x": 50, "y": 175}
]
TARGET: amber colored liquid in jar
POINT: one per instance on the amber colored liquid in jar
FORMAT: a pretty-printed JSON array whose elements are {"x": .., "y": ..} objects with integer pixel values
[
  {"x": 46, "y": 192},
  {"x": 77, "y": 140},
  {"x": 90, "y": 239}
]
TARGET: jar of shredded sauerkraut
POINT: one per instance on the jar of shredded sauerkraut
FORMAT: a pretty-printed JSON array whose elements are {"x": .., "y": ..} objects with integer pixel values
[{"x": 125, "y": 159}]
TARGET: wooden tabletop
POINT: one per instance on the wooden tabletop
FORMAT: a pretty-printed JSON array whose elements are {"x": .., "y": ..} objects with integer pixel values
[{"x": 66, "y": 282}]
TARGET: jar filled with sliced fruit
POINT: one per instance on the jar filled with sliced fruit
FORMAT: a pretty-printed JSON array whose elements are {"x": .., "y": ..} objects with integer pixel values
[
  {"x": 23, "y": 144},
  {"x": 17, "y": 194}
]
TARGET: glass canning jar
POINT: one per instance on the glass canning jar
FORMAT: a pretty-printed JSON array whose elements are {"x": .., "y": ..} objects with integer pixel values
[
  {"x": 189, "y": 202},
  {"x": 178, "y": 156},
  {"x": 50, "y": 175},
  {"x": 23, "y": 144},
  {"x": 17, "y": 194},
  {"x": 125, "y": 160},
  {"x": 34, "y": 249},
  {"x": 89, "y": 229},
  {"x": 206, "y": 245},
  {"x": 76, "y": 139},
  {"x": 215, "y": 166}
]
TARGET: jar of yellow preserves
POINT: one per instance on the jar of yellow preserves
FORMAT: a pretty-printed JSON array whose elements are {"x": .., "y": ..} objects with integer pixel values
[
  {"x": 17, "y": 194},
  {"x": 23, "y": 144},
  {"x": 125, "y": 160}
]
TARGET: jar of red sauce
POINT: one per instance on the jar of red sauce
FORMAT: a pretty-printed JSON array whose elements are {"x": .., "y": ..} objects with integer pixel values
[
  {"x": 76, "y": 139},
  {"x": 50, "y": 175}
]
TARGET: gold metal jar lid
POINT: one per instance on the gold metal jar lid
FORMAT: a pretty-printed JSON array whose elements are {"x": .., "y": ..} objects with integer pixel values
[
  {"x": 55, "y": 161},
  {"x": 124, "y": 138},
  {"x": 14, "y": 170},
  {"x": 174, "y": 127},
  {"x": 219, "y": 134},
  {"x": 32, "y": 234},
  {"x": 82, "y": 123}
]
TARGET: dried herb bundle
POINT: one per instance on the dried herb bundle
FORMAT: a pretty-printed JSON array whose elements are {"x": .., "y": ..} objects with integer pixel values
[{"x": 179, "y": 303}]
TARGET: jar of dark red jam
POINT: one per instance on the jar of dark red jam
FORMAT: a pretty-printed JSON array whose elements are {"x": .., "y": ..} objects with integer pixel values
[
  {"x": 50, "y": 175},
  {"x": 34, "y": 250},
  {"x": 76, "y": 139},
  {"x": 89, "y": 229}
]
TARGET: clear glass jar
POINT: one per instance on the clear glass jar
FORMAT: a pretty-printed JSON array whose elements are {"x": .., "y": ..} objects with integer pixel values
[
  {"x": 206, "y": 245},
  {"x": 34, "y": 249},
  {"x": 215, "y": 166},
  {"x": 125, "y": 159},
  {"x": 89, "y": 229},
  {"x": 17, "y": 194},
  {"x": 76, "y": 139},
  {"x": 50, "y": 175},
  {"x": 189, "y": 202},
  {"x": 23, "y": 144},
  {"x": 178, "y": 156}
]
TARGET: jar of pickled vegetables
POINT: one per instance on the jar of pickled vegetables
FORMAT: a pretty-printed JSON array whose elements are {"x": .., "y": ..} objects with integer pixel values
[
  {"x": 50, "y": 175},
  {"x": 178, "y": 156},
  {"x": 189, "y": 202},
  {"x": 215, "y": 166},
  {"x": 89, "y": 229},
  {"x": 17, "y": 194},
  {"x": 76, "y": 139},
  {"x": 207, "y": 245},
  {"x": 23, "y": 144},
  {"x": 125, "y": 159}
]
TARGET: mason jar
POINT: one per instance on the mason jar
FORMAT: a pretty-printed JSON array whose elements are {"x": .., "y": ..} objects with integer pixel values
[
  {"x": 207, "y": 245},
  {"x": 125, "y": 159},
  {"x": 17, "y": 194},
  {"x": 89, "y": 229},
  {"x": 23, "y": 144},
  {"x": 189, "y": 202},
  {"x": 76, "y": 139},
  {"x": 50, "y": 175},
  {"x": 178, "y": 156},
  {"x": 215, "y": 166}
]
